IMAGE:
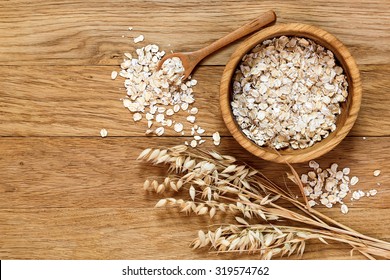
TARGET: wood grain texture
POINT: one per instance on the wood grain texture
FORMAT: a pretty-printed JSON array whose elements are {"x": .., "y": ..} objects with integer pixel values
[
  {"x": 66, "y": 193},
  {"x": 81, "y": 100},
  {"x": 125, "y": 233},
  {"x": 67, "y": 172},
  {"x": 75, "y": 32}
]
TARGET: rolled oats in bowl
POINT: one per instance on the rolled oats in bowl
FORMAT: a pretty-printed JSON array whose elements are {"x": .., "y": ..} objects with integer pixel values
[{"x": 287, "y": 93}]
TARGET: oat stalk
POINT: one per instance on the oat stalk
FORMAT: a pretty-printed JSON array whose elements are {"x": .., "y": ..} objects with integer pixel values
[{"x": 213, "y": 183}]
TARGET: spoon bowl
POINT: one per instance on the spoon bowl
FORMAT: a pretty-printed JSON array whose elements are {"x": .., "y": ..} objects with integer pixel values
[{"x": 188, "y": 59}]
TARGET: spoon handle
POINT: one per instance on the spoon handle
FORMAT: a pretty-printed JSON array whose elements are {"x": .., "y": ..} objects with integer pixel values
[{"x": 265, "y": 19}]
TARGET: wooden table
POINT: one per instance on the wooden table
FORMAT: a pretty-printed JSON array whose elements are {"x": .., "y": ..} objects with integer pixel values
[{"x": 67, "y": 193}]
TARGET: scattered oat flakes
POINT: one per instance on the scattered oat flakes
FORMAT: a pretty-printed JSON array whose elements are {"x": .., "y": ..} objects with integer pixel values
[
  {"x": 346, "y": 170},
  {"x": 168, "y": 122},
  {"x": 153, "y": 92},
  {"x": 169, "y": 112},
  {"x": 149, "y": 116},
  {"x": 377, "y": 173},
  {"x": 332, "y": 198},
  {"x": 304, "y": 178},
  {"x": 176, "y": 108},
  {"x": 324, "y": 201},
  {"x": 200, "y": 130},
  {"x": 126, "y": 103},
  {"x": 159, "y": 118},
  {"x": 193, "y": 110},
  {"x": 153, "y": 109},
  {"x": 184, "y": 106},
  {"x": 334, "y": 167},
  {"x": 130, "y": 28},
  {"x": 313, "y": 164},
  {"x": 312, "y": 175},
  {"x": 216, "y": 138},
  {"x": 344, "y": 187},
  {"x": 114, "y": 74},
  {"x": 125, "y": 65},
  {"x": 138, "y": 39},
  {"x": 339, "y": 175},
  {"x": 137, "y": 117},
  {"x": 373, "y": 192},
  {"x": 103, "y": 132},
  {"x": 197, "y": 137},
  {"x": 354, "y": 180},
  {"x": 329, "y": 186},
  {"x": 356, "y": 195},
  {"x": 191, "y": 119}
]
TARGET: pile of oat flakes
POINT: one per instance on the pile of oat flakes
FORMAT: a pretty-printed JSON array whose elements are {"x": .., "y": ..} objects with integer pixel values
[
  {"x": 330, "y": 186},
  {"x": 287, "y": 92}
]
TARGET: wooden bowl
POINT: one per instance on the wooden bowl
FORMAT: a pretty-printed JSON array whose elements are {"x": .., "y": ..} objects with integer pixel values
[{"x": 349, "y": 108}]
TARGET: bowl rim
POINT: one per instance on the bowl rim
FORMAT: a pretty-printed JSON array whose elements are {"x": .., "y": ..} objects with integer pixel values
[{"x": 321, "y": 37}]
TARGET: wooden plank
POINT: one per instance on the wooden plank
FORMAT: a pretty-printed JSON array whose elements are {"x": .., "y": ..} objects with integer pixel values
[
  {"x": 112, "y": 233},
  {"x": 78, "y": 33},
  {"x": 103, "y": 173},
  {"x": 80, "y": 100}
]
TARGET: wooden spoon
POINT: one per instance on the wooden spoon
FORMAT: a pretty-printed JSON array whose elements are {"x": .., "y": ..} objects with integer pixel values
[{"x": 191, "y": 59}]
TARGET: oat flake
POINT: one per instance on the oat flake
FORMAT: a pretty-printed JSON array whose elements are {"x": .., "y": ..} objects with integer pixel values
[
  {"x": 344, "y": 209},
  {"x": 103, "y": 132},
  {"x": 138, "y": 39},
  {"x": 159, "y": 131},
  {"x": 354, "y": 180},
  {"x": 114, "y": 74},
  {"x": 137, "y": 117},
  {"x": 193, "y": 143},
  {"x": 178, "y": 127}
]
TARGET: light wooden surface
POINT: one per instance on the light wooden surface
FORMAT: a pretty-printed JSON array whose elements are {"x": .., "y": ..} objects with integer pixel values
[{"x": 66, "y": 193}]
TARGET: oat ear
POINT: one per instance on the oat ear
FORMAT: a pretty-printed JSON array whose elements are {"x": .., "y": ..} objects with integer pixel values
[{"x": 214, "y": 185}]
